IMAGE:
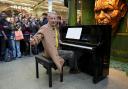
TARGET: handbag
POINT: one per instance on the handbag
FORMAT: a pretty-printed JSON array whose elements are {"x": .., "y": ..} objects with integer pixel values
[{"x": 19, "y": 35}]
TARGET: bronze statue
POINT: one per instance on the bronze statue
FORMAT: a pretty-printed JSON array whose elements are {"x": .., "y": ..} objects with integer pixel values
[{"x": 109, "y": 12}]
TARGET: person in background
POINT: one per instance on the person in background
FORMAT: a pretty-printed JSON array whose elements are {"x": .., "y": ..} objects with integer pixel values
[
  {"x": 6, "y": 33},
  {"x": 79, "y": 21},
  {"x": 12, "y": 37},
  {"x": 34, "y": 26},
  {"x": 59, "y": 21},
  {"x": 27, "y": 32},
  {"x": 3, "y": 37},
  {"x": 17, "y": 42},
  {"x": 44, "y": 19}
]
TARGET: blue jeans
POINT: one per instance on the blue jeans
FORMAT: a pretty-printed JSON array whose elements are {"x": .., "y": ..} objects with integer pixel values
[{"x": 16, "y": 48}]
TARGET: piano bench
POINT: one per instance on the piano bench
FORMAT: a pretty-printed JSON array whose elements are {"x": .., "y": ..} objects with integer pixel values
[{"x": 48, "y": 64}]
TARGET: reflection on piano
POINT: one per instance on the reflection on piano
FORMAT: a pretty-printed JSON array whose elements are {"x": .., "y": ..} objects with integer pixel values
[{"x": 94, "y": 45}]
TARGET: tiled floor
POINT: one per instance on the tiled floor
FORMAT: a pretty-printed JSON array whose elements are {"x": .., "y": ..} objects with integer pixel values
[{"x": 20, "y": 74}]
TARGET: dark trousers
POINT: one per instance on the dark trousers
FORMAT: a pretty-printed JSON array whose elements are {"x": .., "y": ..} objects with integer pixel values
[
  {"x": 70, "y": 57},
  {"x": 40, "y": 47},
  {"x": 2, "y": 48},
  {"x": 25, "y": 45}
]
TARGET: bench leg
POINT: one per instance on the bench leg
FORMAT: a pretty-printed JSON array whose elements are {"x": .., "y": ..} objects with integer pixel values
[
  {"x": 37, "y": 70},
  {"x": 61, "y": 76},
  {"x": 50, "y": 76}
]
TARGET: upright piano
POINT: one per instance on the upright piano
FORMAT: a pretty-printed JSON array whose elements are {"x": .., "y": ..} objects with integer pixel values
[{"x": 93, "y": 42}]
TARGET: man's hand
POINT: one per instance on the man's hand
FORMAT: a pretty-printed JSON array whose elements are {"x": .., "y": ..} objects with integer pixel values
[
  {"x": 5, "y": 26},
  {"x": 32, "y": 42},
  {"x": 60, "y": 41},
  {"x": 5, "y": 37}
]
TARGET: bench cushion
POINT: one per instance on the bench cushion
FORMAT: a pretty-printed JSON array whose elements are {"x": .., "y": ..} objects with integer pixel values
[{"x": 45, "y": 61}]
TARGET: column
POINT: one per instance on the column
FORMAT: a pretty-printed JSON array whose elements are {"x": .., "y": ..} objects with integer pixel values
[
  {"x": 49, "y": 5},
  {"x": 72, "y": 13},
  {"x": 88, "y": 12}
]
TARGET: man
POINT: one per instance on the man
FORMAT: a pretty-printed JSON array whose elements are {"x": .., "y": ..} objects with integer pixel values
[
  {"x": 44, "y": 19},
  {"x": 48, "y": 34},
  {"x": 5, "y": 30},
  {"x": 3, "y": 39},
  {"x": 109, "y": 12}
]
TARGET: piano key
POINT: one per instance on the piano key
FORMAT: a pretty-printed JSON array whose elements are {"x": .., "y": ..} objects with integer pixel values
[{"x": 79, "y": 46}]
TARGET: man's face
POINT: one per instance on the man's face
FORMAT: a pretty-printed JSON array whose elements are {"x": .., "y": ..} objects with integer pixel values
[
  {"x": 59, "y": 19},
  {"x": 3, "y": 15},
  {"x": 52, "y": 19},
  {"x": 107, "y": 12},
  {"x": 12, "y": 20},
  {"x": 16, "y": 18}
]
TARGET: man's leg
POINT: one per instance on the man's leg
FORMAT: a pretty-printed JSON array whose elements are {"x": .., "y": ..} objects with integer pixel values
[
  {"x": 3, "y": 49},
  {"x": 0, "y": 48},
  {"x": 13, "y": 48},
  {"x": 18, "y": 49},
  {"x": 71, "y": 57}
]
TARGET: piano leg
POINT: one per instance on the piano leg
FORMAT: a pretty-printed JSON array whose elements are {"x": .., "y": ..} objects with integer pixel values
[
  {"x": 98, "y": 76},
  {"x": 95, "y": 77}
]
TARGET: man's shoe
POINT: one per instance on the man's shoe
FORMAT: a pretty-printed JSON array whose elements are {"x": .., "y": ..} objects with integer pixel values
[
  {"x": 19, "y": 57},
  {"x": 74, "y": 71},
  {"x": 7, "y": 60}
]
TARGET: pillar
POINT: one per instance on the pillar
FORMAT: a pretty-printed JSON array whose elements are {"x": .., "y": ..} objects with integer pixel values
[
  {"x": 72, "y": 13},
  {"x": 88, "y": 12},
  {"x": 49, "y": 5}
]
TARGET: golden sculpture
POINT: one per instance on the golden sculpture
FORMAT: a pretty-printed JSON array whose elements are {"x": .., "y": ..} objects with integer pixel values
[{"x": 109, "y": 12}]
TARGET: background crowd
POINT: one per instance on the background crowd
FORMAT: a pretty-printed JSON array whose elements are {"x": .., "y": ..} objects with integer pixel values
[{"x": 29, "y": 26}]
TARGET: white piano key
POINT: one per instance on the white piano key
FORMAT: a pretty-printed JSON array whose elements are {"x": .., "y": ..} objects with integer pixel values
[{"x": 79, "y": 46}]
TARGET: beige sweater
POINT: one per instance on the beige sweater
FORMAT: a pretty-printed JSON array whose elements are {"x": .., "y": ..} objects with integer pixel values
[{"x": 48, "y": 38}]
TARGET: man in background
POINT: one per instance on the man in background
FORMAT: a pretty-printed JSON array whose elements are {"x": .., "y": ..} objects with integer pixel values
[
  {"x": 5, "y": 33},
  {"x": 44, "y": 19}
]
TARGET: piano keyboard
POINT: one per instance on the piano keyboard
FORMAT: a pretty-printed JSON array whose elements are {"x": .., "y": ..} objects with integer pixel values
[{"x": 79, "y": 46}]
